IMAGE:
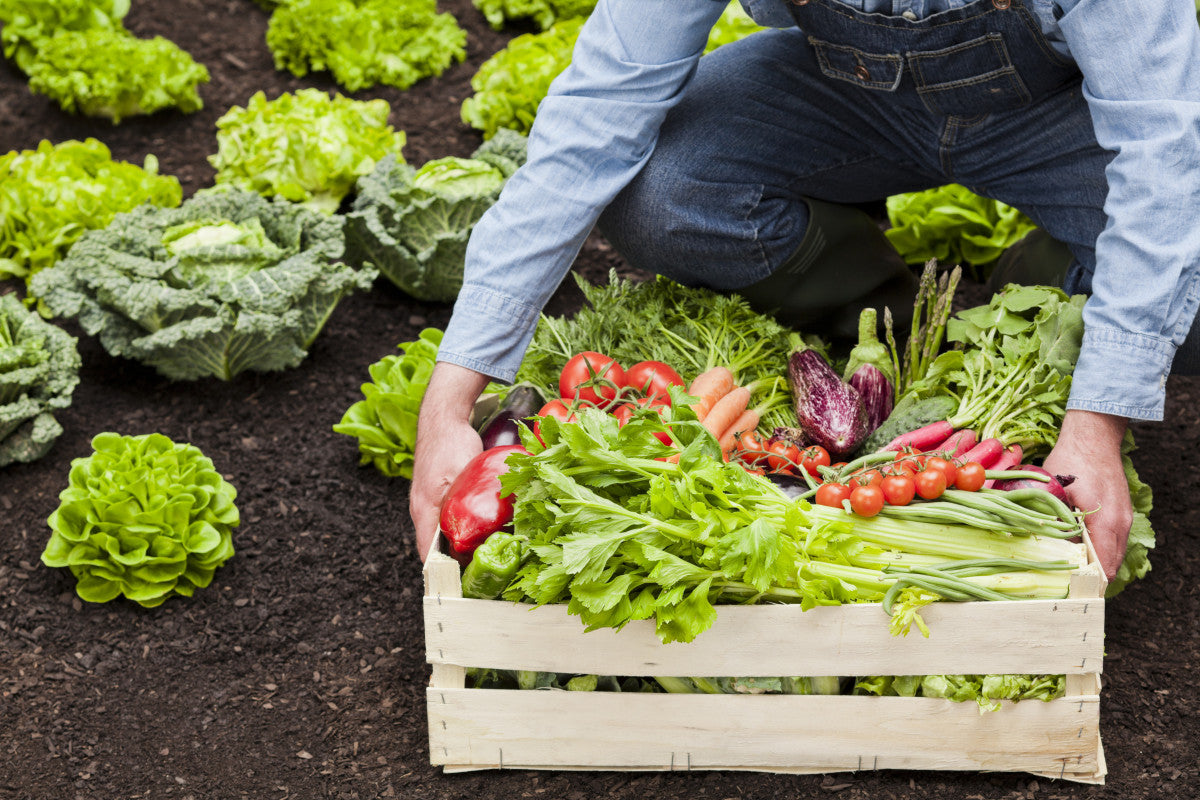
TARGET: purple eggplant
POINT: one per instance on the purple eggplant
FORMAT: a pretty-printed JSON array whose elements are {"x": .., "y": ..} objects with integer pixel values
[
  {"x": 876, "y": 392},
  {"x": 829, "y": 411},
  {"x": 503, "y": 427}
]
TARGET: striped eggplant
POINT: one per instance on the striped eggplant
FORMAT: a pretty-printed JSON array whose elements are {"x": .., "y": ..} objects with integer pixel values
[
  {"x": 876, "y": 392},
  {"x": 828, "y": 410}
]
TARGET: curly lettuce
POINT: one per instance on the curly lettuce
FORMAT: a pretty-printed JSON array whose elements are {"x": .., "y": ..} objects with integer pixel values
[
  {"x": 39, "y": 369},
  {"x": 414, "y": 225},
  {"x": 30, "y": 23},
  {"x": 953, "y": 225},
  {"x": 51, "y": 196},
  {"x": 542, "y": 13},
  {"x": 225, "y": 283},
  {"x": 385, "y": 420},
  {"x": 142, "y": 517},
  {"x": 305, "y": 147},
  {"x": 365, "y": 42},
  {"x": 510, "y": 85},
  {"x": 113, "y": 75}
]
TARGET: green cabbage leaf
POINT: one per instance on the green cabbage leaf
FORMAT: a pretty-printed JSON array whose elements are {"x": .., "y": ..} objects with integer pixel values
[
  {"x": 142, "y": 517},
  {"x": 227, "y": 282},
  {"x": 50, "y": 196},
  {"x": 413, "y": 226},
  {"x": 953, "y": 225},
  {"x": 108, "y": 73},
  {"x": 542, "y": 13},
  {"x": 39, "y": 369},
  {"x": 365, "y": 42},
  {"x": 304, "y": 147}
]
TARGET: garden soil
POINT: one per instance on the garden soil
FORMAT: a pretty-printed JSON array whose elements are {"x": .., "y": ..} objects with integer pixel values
[{"x": 300, "y": 672}]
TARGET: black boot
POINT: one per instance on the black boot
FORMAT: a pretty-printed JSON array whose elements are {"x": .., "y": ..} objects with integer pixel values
[{"x": 843, "y": 265}]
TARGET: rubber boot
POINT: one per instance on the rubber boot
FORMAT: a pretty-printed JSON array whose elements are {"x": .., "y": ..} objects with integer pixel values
[
  {"x": 1036, "y": 260},
  {"x": 843, "y": 265}
]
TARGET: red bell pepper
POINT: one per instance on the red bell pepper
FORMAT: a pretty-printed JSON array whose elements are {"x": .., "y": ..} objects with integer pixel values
[{"x": 473, "y": 509}]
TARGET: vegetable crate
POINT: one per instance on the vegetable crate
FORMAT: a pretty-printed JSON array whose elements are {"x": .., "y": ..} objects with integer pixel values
[{"x": 472, "y": 729}]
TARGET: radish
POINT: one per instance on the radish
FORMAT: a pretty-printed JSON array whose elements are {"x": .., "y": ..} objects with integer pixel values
[
  {"x": 1008, "y": 459},
  {"x": 958, "y": 443},
  {"x": 986, "y": 453},
  {"x": 924, "y": 438}
]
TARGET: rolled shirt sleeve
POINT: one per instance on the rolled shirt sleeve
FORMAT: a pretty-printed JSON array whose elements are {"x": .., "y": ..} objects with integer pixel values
[
  {"x": 593, "y": 133},
  {"x": 1141, "y": 77}
]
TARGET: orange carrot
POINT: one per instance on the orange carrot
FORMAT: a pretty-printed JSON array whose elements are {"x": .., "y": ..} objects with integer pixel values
[
  {"x": 710, "y": 386},
  {"x": 726, "y": 410},
  {"x": 747, "y": 421}
]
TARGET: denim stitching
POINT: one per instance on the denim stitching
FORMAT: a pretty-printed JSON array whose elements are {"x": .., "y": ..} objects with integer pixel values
[
  {"x": 1039, "y": 37},
  {"x": 821, "y": 47},
  {"x": 856, "y": 18}
]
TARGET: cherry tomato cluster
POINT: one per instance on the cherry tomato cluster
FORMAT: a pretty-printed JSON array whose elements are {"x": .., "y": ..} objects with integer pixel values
[
  {"x": 911, "y": 475},
  {"x": 779, "y": 455},
  {"x": 594, "y": 380}
]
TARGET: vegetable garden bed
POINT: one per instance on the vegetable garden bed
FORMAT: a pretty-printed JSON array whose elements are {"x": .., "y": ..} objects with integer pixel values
[{"x": 472, "y": 729}]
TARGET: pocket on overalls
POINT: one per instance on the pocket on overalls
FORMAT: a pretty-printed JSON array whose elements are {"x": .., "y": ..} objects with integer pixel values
[
  {"x": 975, "y": 77},
  {"x": 880, "y": 71}
]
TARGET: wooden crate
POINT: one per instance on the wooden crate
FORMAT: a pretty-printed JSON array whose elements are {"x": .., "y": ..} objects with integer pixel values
[{"x": 471, "y": 729}]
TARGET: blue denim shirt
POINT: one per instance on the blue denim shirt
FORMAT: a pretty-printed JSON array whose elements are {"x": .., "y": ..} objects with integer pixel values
[{"x": 1141, "y": 65}]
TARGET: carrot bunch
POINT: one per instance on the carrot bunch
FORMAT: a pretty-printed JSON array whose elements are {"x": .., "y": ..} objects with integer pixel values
[{"x": 723, "y": 408}]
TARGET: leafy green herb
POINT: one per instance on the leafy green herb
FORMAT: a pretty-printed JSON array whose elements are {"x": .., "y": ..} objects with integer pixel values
[
  {"x": 385, "y": 420},
  {"x": 142, "y": 517},
  {"x": 51, "y": 196},
  {"x": 228, "y": 282},
  {"x": 304, "y": 147},
  {"x": 39, "y": 368},
  {"x": 986, "y": 690},
  {"x": 414, "y": 225},
  {"x": 690, "y": 329},
  {"x": 953, "y": 225},
  {"x": 365, "y": 42}
]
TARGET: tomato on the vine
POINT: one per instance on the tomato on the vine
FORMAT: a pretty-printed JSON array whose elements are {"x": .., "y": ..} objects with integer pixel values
[
  {"x": 813, "y": 458},
  {"x": 623, "y": 413},
  {"x": 943, "y": 465},
  {"x": 782, "y": 455},
  {"x": 898, "y": 490},
  {"x": 557, "y": 409},
  {"x": 592, "y": 377},
  {"x": 866, "y": 501},
  {"x": 866, "y": 477},
  {"x": 832, "y": 494},
  {"x": 653, "y": 379},
  {"x": 931, "y": 483},
  {"x": 970, "y": 477},
  {"x": 749, "y": 447}
]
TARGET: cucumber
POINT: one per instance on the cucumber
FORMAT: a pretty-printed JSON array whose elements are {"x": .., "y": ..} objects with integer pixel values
[{"x": 908, "y": 415}]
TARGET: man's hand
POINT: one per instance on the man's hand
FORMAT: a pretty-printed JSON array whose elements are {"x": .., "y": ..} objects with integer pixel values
[
  {"x": 1089, "y": 447},
  {"x": 445, "y": 443}
]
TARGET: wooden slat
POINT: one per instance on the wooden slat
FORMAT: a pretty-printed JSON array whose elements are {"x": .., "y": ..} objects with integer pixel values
[
  {"x": 1027, "y": 636},
  {"x": 565, "y": 730},
  {"x": 442, "y": 581}
]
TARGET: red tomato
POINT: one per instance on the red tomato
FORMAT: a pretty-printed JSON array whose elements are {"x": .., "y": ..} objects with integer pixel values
[
  {"x": 814, "y": 457},
  {"x": 832, "y": 494},
  {"x": 623, "y": 413},
  {"x": 930, "y": 483},
  {"x": 749, "y": 447},
  {"x": 782, "y": 455},
  {"x": 557, "y": 409},
  {"x": 970, "y": 477},
  {"x": 898, "y": 490},
  {"x": 652, "y": 378},
  {"x": 867, "y": 477},
  {"x": 591, "y": 377},
  {"x": 943, "y": 465},
  {"x": 866, "y": 501}
]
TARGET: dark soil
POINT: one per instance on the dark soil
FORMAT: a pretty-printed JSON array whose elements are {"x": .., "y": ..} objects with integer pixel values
[{"x": 300, "y": 672}]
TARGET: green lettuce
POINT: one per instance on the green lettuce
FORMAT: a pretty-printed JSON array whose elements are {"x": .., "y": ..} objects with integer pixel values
[
  {"x": 305, "y": 147},
  {"x": 50, "y": 196},
  {"x": 510, "y": 85},
  {"x": 413, "y": 225},
  {"x": 542, "y": 13},
  {"x": 29, "y": 23},
  {"x": 107, "y": 73},
  {"x": 39, "y": 368},
  {"x": 733, "y": 24},
  {"x": 142, "y": 517},
  {"x": 385, "y": 420},
  {"x": 1141, "y": 534},
  {"x": 953, "y": 225},
  {"x": 248, "y": 288},
  {"x": 365, "y": 42}
]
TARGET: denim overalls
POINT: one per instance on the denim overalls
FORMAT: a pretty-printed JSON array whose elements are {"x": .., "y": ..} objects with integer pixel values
[{"x": 851, "y": 107}]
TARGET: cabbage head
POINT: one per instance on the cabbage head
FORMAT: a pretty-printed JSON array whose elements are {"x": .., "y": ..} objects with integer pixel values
[
  {"x": 39, "y": 369},
  {"x": 225, "y": 283},
  {"x": 142, "y": 517},
  {"x": 413, "y": 225}
]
